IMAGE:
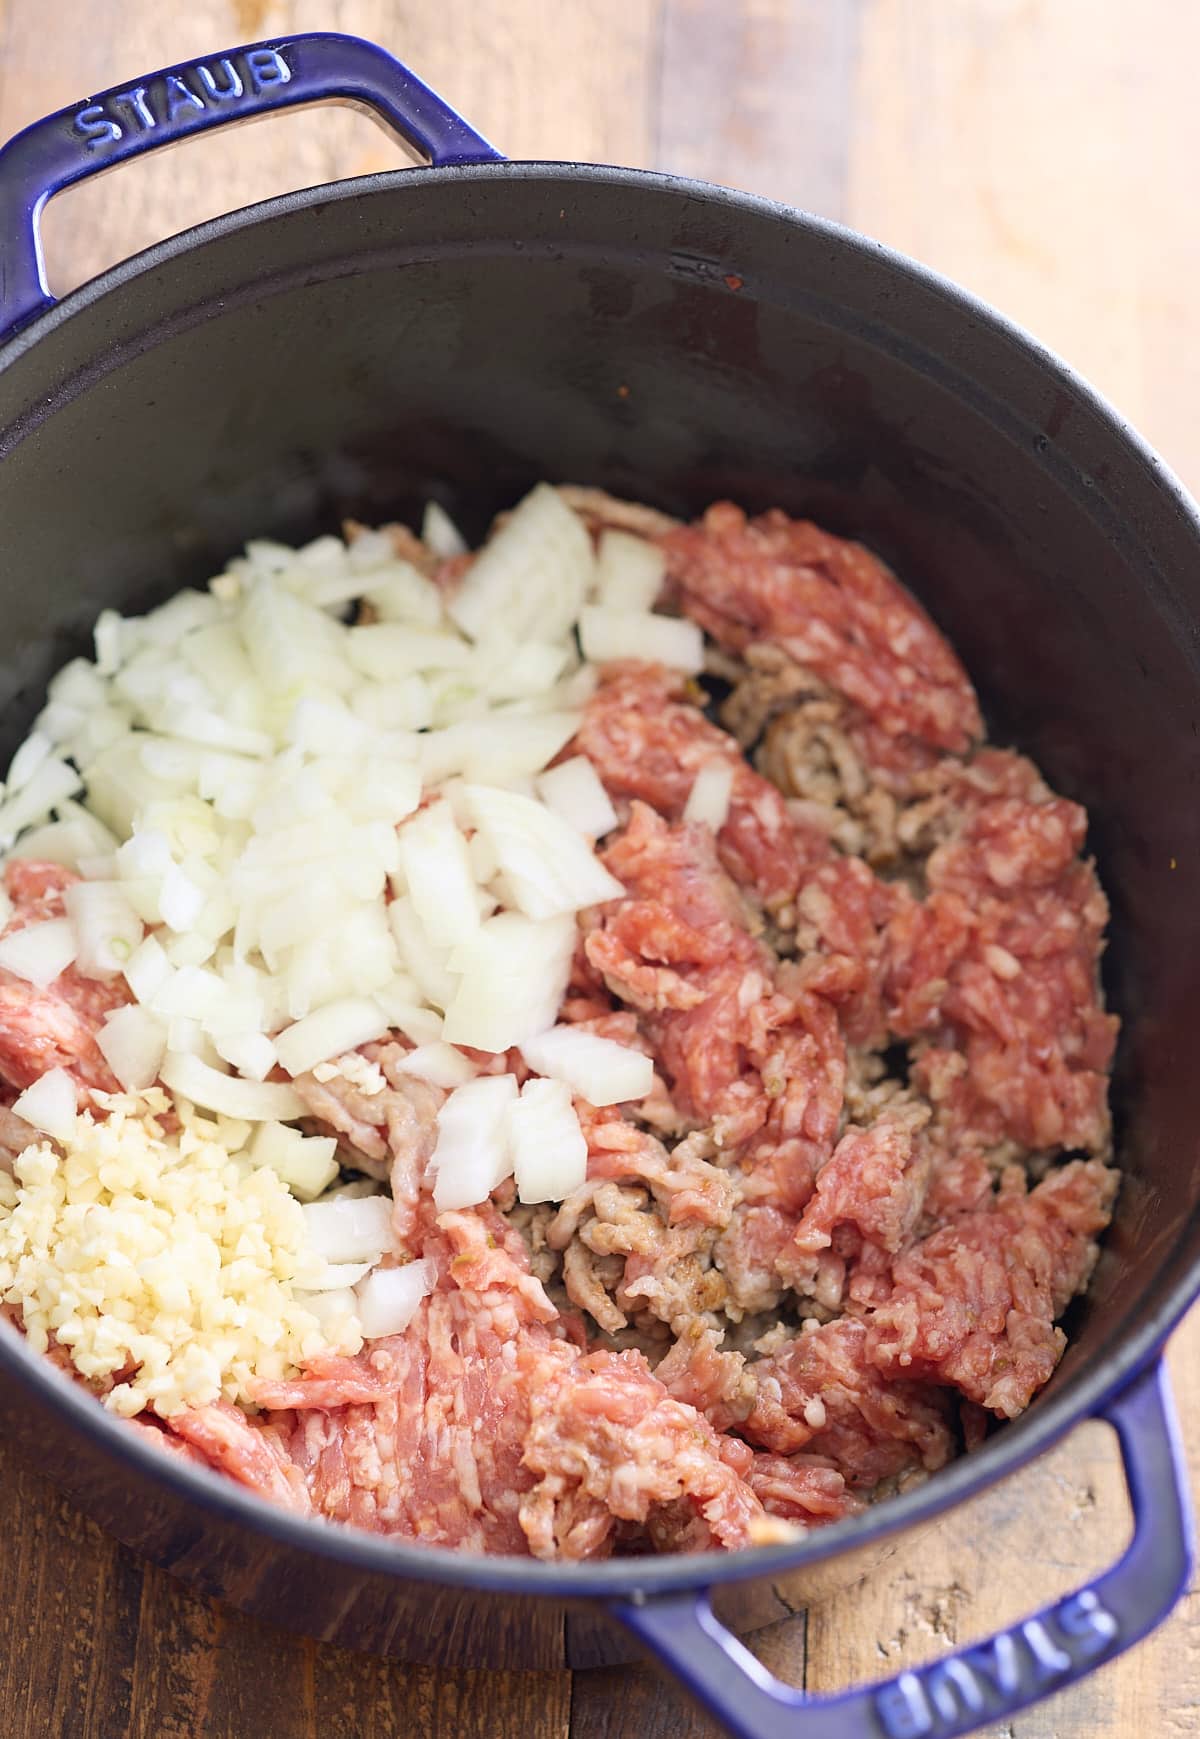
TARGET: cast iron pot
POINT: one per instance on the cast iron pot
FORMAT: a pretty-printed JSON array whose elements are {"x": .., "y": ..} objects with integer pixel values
[{"x": 462, "y": 330}]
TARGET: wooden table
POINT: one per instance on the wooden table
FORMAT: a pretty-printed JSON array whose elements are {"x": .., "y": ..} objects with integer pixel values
[{"x": 1040, "y": 151}]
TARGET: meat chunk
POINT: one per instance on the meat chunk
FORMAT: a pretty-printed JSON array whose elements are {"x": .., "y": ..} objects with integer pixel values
[
  {"x": 975, "y": 1303},
  {"x": 823, "y": 1394},
  {"x": 647, "y": 742},
  {"x": 999, "y": 967},
  {"x": 55, "y": 1027},
  {"x": 863, "y": 1211},
  {"x": 833, "y": 607},
  {"x": 252, "y": 1452},
  {"x": 805, "y": 1489},
  {"x": 607, "y": 1443}
]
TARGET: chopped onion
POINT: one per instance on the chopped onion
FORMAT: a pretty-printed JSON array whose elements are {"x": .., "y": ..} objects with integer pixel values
[
  {"x": 306, "y": 1163},
  {"x": 107, "y": 929},
  {"x": 329, "y": 1032},
  {"x": 607, "y": 634},
  {"x": 629, "y": 571},
  {"x": 336, "y": 1275},
  {"x": 472, "y": 1154},
  {"x": 531, "y": 575},
  {"x": 257, "y": 1101},
  {"x": 49, "y": 1104},
  {"x": 132, "y": 1042},
  {"x": 349, "y": 1228},
  {"x": 28, "y": 758},
  {"x": 547, "y": 867},
  {"x": 549, "y": 1151},
  {"x": 46, "y": 786},
  {"x": 497, "y": 748},
  {"x": 599, "y": 1070},
  {"x": 388, "y": 1297},
  {"x": 708, "y": 799},
  {"x": 251, "y": 1054},
  {"x": 512, "y": 976},
  {"x": 418, "y": 955},
  {"x": 180, "y": 901},
  {"x": 573, "y": 790},
  {"x": 147, "y": 969},
  {"x": 439, "y": 1064},
  {"x": 437, "y": 869},
  {"x": 39, "y": 952},
  {"x": 440, "y": 534},
  {"x": 335, "y": 1310}
]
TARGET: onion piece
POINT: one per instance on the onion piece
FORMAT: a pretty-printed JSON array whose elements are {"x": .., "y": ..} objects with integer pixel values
[
  {"x": 147, "y": 969},
  {"x": 512, "y": 976},
  {"x": 107, "y": 929},
  {"x": 180, "y": 901},
  {"x": 548, "y": 868},
  {"x": 39, "y": 952},
  {"x": 439, "y": 1064},
  {"x": 573, "y": 790},
  {"x": 132, "y": 1042},
  {"x": 306, "y": 1163},
  {"x": 472, "y": 1153},
  {"x": 46, "y": 786},
  {"x": 437, "y": 869},
  {"x": 349, "y": 1228},
  {"x": 49, "y": 1104},
  {"x": 708, "y": 799},
  {"x": 329, "y": 1032},
  {"x": 336, "y": 1275},
  {"x": 257, "y": 1101},
  {"x": 531, "y": 575},
  {"x": 388, "y": 1297},
  {"x": 439, "y": 532},
  {"x": 629, "y": 571},
  {"x": 549, "y": 1151},
  {"x": 251, "y": 1054},
  {"x": 607, "y": 634},
  {"x": 598, "y": 1069}
]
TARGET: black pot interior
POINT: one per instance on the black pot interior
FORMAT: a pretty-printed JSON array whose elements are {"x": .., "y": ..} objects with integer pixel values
[{"x": 463, "y": 334}]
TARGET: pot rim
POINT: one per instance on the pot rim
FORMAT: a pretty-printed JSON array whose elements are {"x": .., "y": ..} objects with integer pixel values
[{"x": 1020, "y": 1442}]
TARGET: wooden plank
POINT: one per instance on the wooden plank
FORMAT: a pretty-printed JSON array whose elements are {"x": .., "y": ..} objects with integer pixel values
[{"x": 544, "y": 78}]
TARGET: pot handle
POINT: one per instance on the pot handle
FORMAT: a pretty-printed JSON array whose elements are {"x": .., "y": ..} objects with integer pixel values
[
  {"x": 989, "y": 1680},
  {"x": 165, "y": 107}
]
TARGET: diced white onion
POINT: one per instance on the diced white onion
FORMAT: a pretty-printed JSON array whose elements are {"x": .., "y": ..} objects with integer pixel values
[
  {"x": 388, "y": 1297},
  {"x": 336, "y": 1275},
  {"x": 531, "y": 575},
  {"x": 598, "y": 1069},
  {"x": 132, "y": 1042},
  {"x": 349, "y": 1228},
  {"x": 49, "y": 1104},
  {"x": 607, "y": 634},
  {"x": 27, "y": 760},
  {"x": 439, "y": 532},
  {"x": 708, "y": 799},
  {"x": 39, "y": 952},
  {"x": 180, "y": 901},
  {"x": 45, "y": 787},
  {"x": 472, "y": 1154},
  {"x": 629, "y": 571},
  {"x": 329, "y": 1032},
  {"x": 439, "y": 1064},
  {"x": 547, "y": 867},
  {"x": 107, "y": 929},
  {"x": 251, "y": 1054},
  {"x": 511, "y": 979},
  {"x": 147, "y": 969},
  {"x": 306, "y": 1163},
  {"x": 437, "y": 870},
  {"x": 549, "y": 1152},
  {"x": 256, "y": 1101},
  {"x": 573, "y": 790}
]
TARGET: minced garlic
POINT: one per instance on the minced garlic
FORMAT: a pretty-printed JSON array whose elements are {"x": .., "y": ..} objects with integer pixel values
[{"x": 163, "y": 1261}]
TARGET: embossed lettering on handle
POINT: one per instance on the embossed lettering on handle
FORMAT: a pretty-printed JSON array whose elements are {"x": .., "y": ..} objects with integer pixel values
[
  {"x": 978, "y": 1684},
  {"x": 101, "y": 131}
]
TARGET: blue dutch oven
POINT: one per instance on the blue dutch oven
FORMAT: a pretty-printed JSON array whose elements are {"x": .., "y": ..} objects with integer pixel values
[{"x": 462, "y": 329}]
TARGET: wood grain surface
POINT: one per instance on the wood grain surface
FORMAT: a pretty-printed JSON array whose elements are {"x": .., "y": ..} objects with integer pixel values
[{"x": 1040, "y": 151}]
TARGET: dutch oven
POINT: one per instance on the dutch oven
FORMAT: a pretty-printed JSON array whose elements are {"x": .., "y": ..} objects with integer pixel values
[{"x": 461, "y": 330}]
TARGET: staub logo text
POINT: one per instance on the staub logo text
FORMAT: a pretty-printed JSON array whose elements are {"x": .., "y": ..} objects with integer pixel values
[
  {"x": 177, "y": 97},
  {"x": 998, "y": 1676}
]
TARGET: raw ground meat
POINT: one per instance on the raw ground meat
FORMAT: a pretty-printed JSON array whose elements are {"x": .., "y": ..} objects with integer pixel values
[
  {"x": 54, "y": 1028},
  {"x": 834, "y": 1242}
]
